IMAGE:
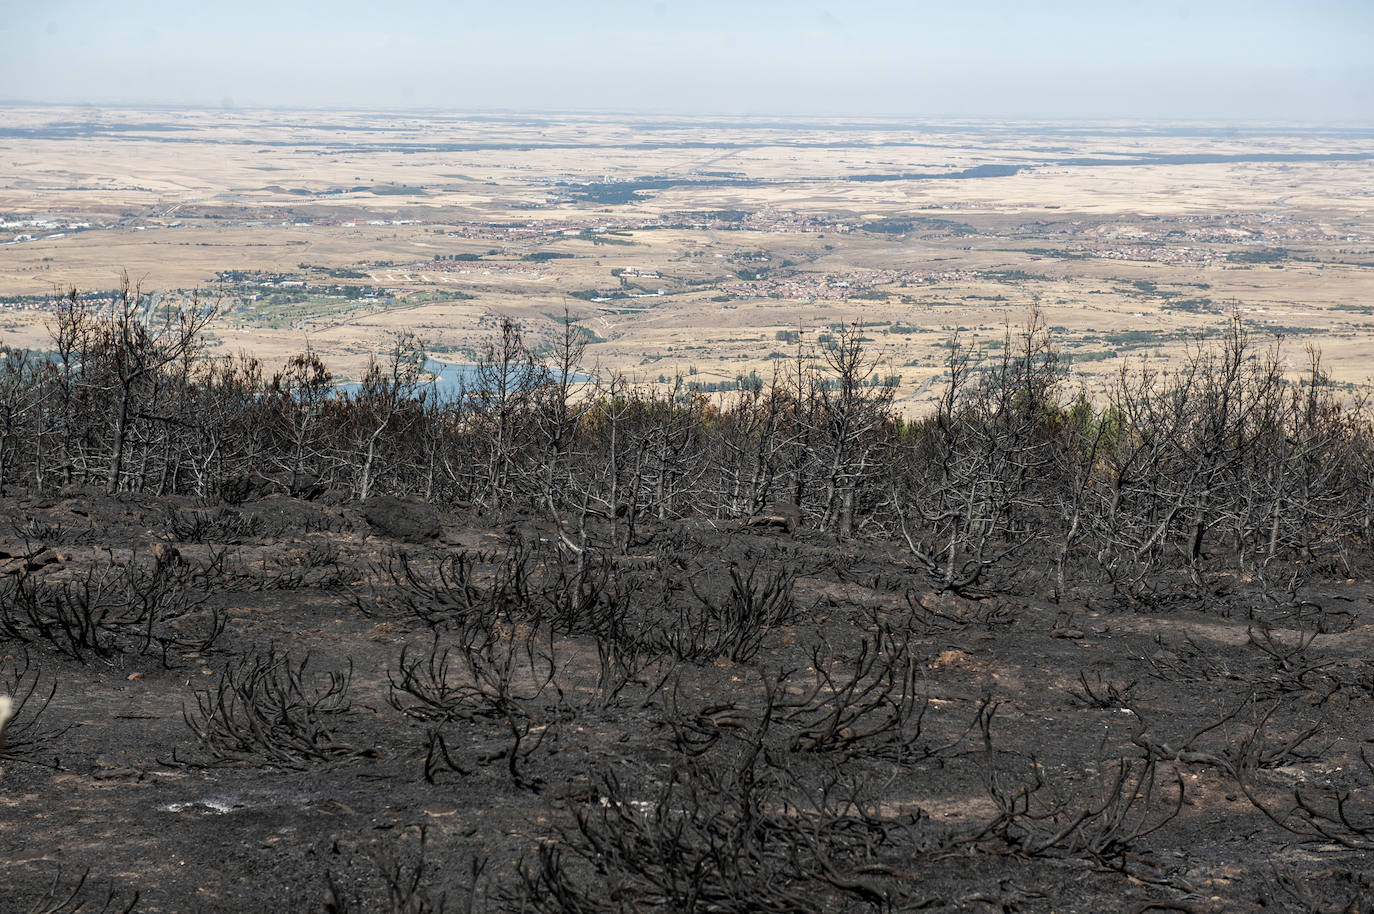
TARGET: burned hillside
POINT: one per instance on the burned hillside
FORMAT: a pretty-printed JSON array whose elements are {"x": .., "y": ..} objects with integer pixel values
[{"x": 555, "y": 645}]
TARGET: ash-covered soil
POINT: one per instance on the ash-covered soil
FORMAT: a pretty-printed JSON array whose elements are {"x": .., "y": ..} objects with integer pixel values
[{"x": 284, "y": 705}]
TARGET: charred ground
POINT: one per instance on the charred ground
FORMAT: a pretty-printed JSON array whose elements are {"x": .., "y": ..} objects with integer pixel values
[{"x": 552, "y": 650}]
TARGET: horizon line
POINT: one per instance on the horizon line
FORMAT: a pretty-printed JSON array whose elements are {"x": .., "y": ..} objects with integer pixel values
[{"x": 924, "y": 119}]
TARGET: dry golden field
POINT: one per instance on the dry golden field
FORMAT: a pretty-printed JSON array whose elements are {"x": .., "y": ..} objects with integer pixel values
[{"x": 696, "y": 247}]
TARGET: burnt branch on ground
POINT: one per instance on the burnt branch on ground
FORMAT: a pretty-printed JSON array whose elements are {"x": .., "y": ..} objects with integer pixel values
[{"x": 78, "y": 897}]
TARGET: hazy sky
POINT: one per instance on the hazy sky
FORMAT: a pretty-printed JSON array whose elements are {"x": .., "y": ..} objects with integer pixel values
[{"x": 1236, "y": 60}]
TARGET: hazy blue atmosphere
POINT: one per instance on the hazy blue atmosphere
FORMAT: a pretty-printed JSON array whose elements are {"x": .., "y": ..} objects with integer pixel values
[{"x": 1242, "y": 60}]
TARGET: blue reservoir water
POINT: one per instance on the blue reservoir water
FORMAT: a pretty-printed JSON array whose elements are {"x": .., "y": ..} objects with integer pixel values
[{"x": 449, "y": 380}]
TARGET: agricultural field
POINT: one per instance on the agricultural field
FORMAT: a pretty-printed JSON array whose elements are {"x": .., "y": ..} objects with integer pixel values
[{"x": 710, "y": 249}]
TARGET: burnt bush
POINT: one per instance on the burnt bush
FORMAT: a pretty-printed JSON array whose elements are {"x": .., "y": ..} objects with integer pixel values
[
  {"x": 30, "y": 692},
  {"x": 729, "y": 834},
  {"x": 270, "y": 709},
  {"x": 136, "y": 606},
  {"x": 735, "y": 624},
  {"x": 403, "y": 884}
]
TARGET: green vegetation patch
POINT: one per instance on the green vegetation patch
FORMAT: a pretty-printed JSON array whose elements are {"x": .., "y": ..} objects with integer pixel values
[{"x": 1264, "y": 255}]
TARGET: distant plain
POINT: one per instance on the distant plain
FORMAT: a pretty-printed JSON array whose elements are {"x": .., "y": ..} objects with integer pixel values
[{"x": 704, "y": 248}]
